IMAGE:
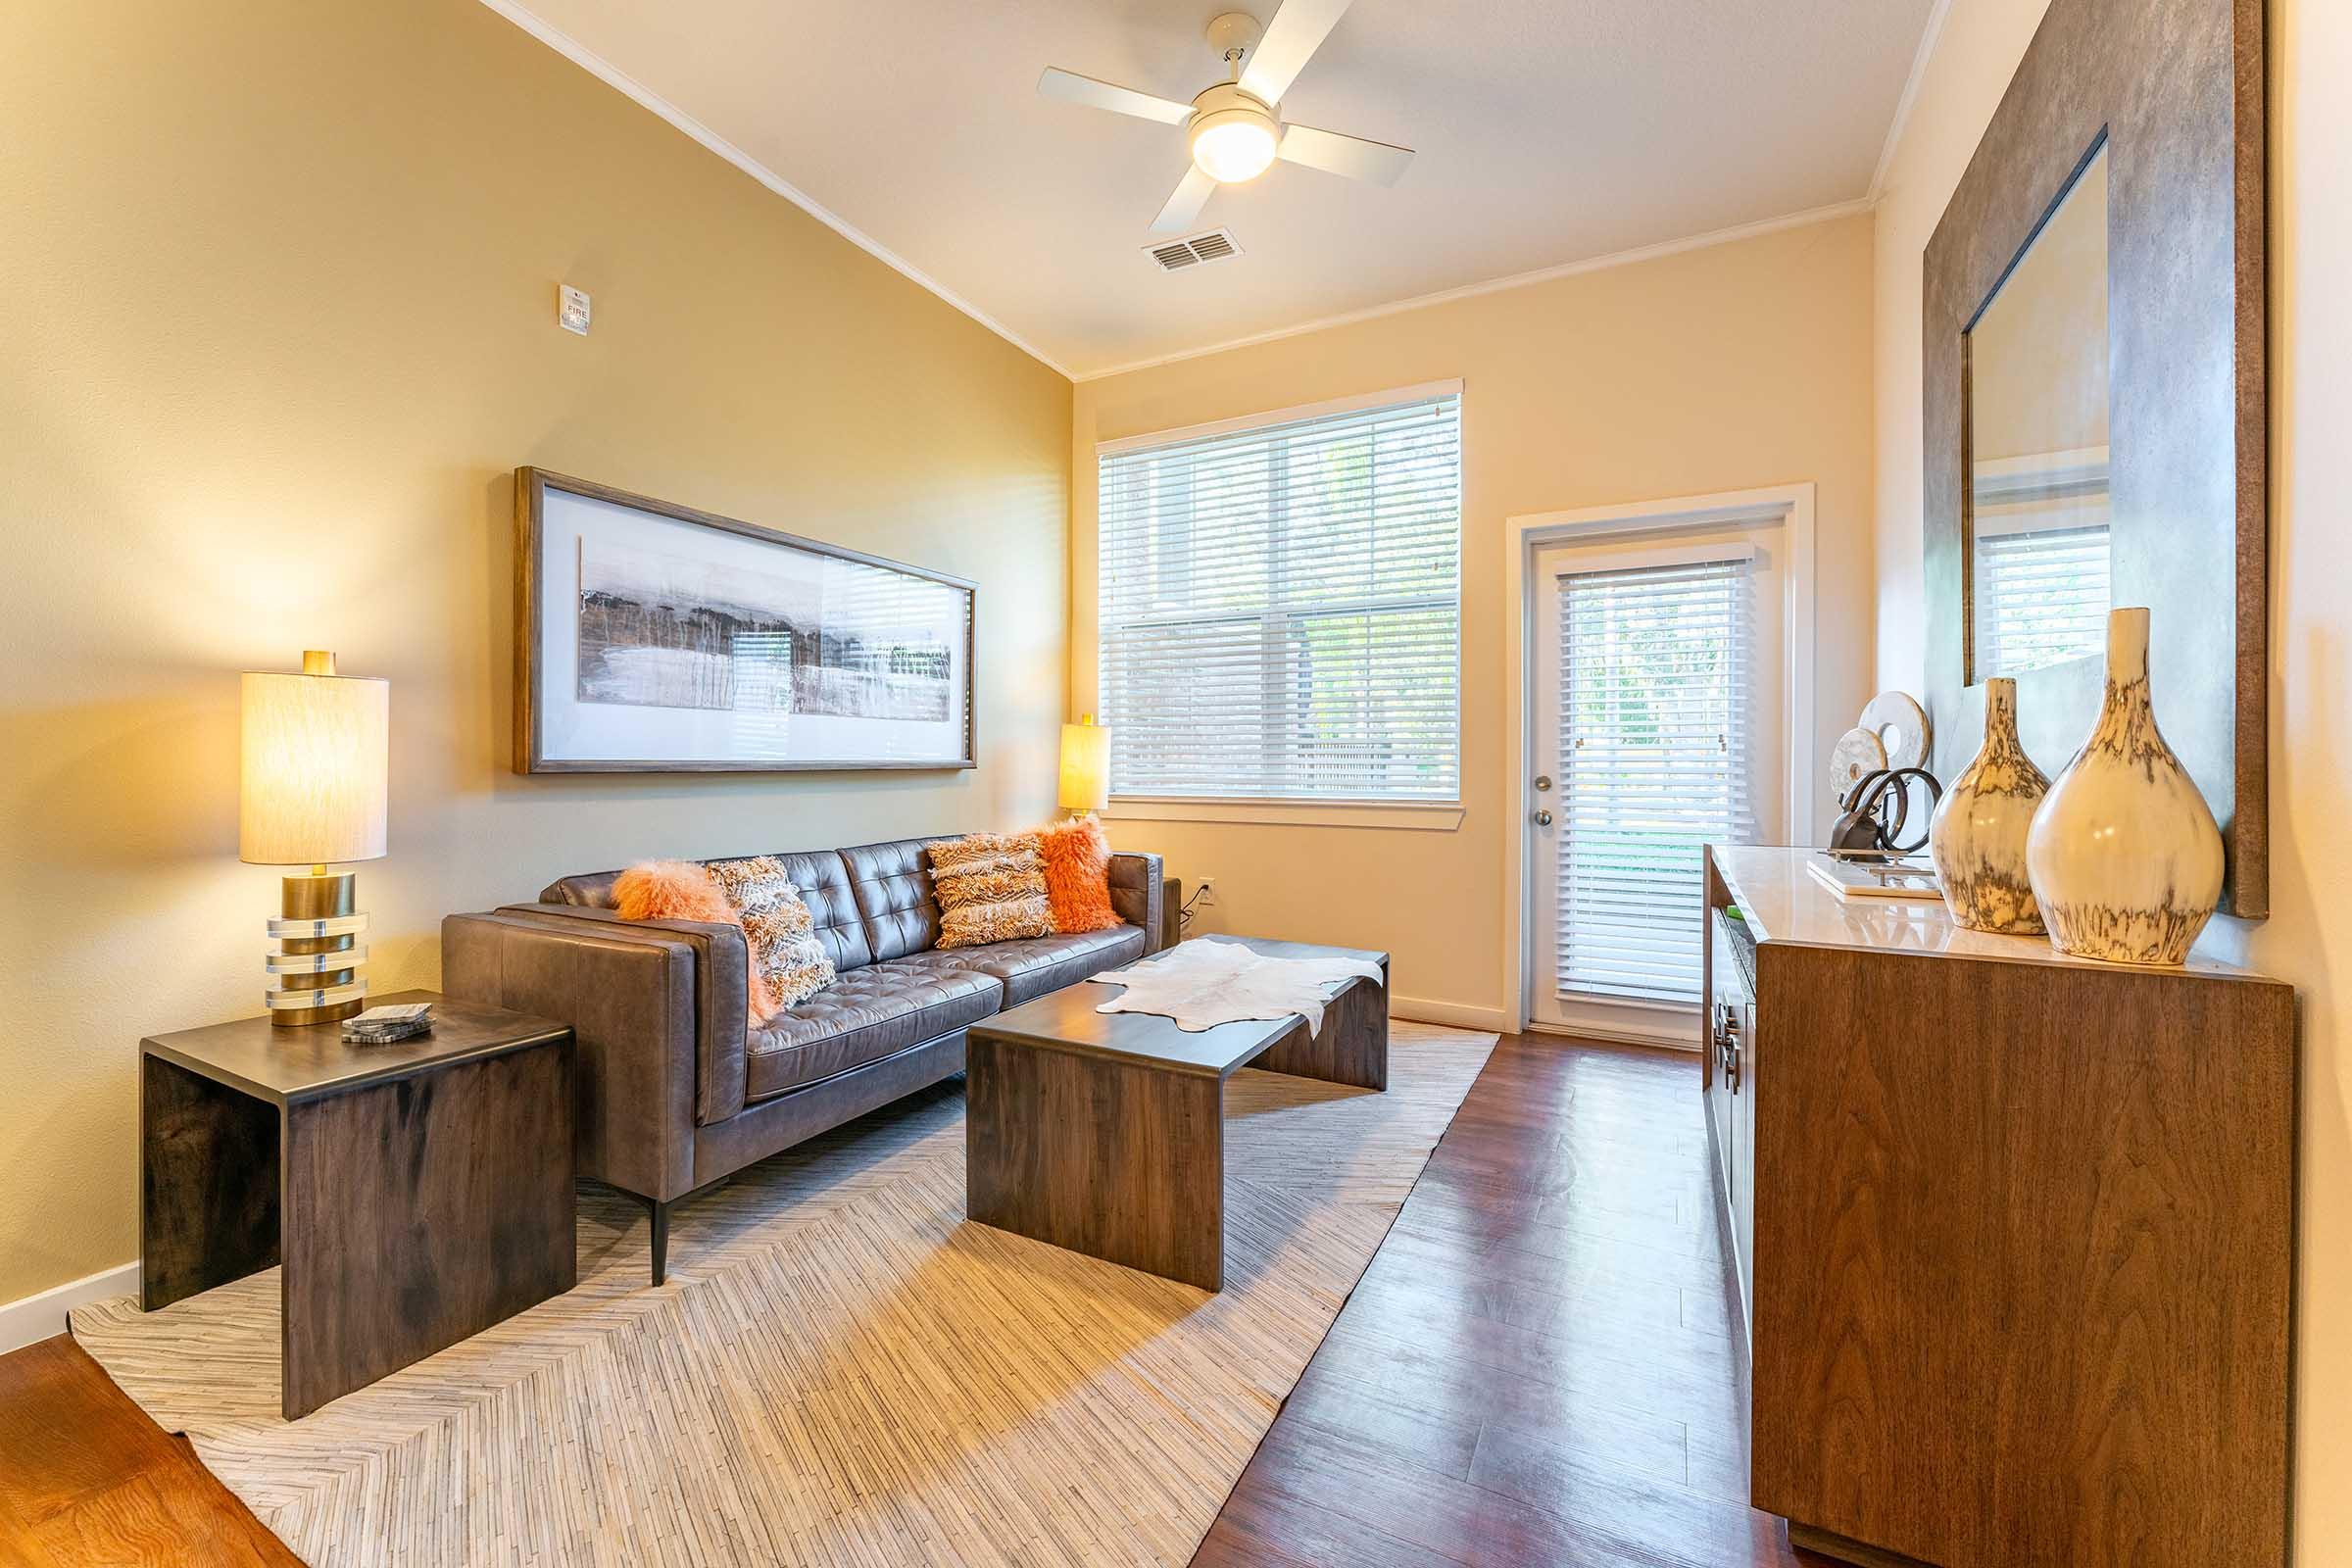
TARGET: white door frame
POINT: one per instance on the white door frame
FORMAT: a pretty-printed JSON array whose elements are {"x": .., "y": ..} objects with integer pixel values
[{"x": 1791, "y": 506}]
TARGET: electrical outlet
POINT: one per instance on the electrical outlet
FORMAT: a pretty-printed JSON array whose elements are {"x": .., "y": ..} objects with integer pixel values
[{"x": 1208, "y": 891}]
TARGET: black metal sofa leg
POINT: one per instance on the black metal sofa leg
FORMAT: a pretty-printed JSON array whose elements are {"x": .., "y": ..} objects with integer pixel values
[{"x": 659, "y": 1209}]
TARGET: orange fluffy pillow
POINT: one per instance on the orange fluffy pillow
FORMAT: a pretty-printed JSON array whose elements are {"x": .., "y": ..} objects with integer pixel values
[
  {"x": 1078, "y": 875},
  {"x": 682, "y": 890}
]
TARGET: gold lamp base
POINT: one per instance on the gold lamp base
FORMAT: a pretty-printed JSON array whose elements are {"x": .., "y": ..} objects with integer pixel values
[{"x": 317, "y": 959}]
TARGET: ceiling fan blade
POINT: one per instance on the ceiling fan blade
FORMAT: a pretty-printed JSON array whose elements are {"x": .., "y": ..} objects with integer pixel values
[
  {"x": 1291, "y": 38},
  {"x": 1072, "y": 88},
  {"x": 1183, "y": 207},
  {"x": 1334, "y": 154}
]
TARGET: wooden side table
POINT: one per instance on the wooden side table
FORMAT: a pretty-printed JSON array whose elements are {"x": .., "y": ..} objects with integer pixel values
[{"x": 415, "y": 1193}]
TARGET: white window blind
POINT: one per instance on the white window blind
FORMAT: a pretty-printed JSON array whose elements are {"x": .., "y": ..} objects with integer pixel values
[
  {"x": 2040, "y": 598},
  {"x": 1653, "y": 725},
  {"x": 1280, "y": 609}
]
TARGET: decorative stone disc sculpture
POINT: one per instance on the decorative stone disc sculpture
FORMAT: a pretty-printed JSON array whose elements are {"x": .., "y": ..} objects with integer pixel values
[
  {"x": 2124, "y": 854},
  {"x": 1858, "y": 755},
  {"x": 1977, "y": 839},
  {"x": 1901, "y": 725}
]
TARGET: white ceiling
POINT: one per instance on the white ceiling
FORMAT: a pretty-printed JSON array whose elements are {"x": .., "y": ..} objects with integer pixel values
[{"x": 1547, "y": 133}]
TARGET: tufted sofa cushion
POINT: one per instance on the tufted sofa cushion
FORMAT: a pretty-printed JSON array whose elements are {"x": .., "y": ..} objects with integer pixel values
[
  {"x": 820, "y": 874},
  {"x": 1031, "y": 967},
  {"x": 893, "y": 886},
  {"x": 864, "y": 1015},
  {"x": 824, "y": 884}
]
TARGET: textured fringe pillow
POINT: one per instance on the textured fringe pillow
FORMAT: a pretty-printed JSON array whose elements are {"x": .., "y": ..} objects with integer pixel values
[
  {"x": 787, "y": 954},
  {"x": 680, "y": 890},
  {"x": 1078, "y": 875},
  {"x": 991, "y": 887}
]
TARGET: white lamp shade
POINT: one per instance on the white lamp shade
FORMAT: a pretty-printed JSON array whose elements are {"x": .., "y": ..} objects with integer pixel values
[
  {"x": 317, "y": 779},
  {"x": 1085, "y": 766}
]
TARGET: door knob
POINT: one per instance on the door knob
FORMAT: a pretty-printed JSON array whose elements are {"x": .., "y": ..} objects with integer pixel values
[
  {"x": 1543, "y": 781},
  {"x": 1542, "y": 819}
]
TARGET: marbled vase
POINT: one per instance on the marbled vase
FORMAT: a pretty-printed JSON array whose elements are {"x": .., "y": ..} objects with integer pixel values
[
  {"x": 1978, "y": 836},
  {"x": 2124, "y": 854}
]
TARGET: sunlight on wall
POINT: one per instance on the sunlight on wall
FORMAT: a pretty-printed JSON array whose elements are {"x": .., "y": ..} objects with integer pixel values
[{"x": 279, "y": 285}]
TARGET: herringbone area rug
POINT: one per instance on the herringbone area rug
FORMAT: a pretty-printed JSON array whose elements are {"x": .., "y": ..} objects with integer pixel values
[{"x": 840, "y": 1369}]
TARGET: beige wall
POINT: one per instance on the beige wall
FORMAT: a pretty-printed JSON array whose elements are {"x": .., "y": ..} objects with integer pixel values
[
  {"x": 2308, "y": 938},
  {"x": 276, "y": 323},
  {"x": 1729, "y": 368},
  {"x": 1975, "y": 55}
]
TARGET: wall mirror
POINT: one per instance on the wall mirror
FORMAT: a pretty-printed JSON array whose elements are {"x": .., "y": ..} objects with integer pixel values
[
  {"x": 2037, "y": 497},
  {"x": 2094, "y": 400}
]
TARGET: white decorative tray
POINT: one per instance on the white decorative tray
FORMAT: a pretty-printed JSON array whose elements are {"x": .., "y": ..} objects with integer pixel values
[{"x": 1905, "y": 878}]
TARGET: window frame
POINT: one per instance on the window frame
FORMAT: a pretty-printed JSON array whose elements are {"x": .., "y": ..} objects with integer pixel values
[{"x": 1301, "y": 811}]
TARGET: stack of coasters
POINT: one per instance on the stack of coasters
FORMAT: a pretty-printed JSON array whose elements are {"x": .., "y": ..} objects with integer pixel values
[{"x": 381, "y": 1027}]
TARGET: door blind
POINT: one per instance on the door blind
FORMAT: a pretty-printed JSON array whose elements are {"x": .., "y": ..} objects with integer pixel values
[
  {"x": 1653, "y": 722},
  {"x": 1280, "y": 609}
]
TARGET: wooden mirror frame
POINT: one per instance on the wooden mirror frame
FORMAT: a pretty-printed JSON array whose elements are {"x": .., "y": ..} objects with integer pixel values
[{"x": 2176, "y": 88}]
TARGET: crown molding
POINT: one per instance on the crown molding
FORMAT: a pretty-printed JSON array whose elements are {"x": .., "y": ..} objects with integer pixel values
[
  {"x": 1497, "y": 285},
  {"x": 1928, "y": 37},
  {"x": 614, "y": 76}
]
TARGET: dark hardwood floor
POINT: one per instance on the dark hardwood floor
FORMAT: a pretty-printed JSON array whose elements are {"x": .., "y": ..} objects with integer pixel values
[
  {"x": 86, "y": 1477},
  {"x": 1539, "y": 1367}
]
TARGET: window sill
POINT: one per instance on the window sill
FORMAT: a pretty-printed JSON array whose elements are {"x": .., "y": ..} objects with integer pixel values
[{"x": 1430, "y": 817}]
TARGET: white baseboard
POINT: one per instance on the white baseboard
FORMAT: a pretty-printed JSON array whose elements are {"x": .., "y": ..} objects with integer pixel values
[
  {"x": 43, "y": 1316},
  {"x": 1680, "y": 1039},
  {"x": 1460, "y": 1015}
]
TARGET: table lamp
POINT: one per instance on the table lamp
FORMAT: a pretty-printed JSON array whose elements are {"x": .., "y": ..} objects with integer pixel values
[
  {"x": 1085, "y": 766},
  {"x": 315, "y": 782}
]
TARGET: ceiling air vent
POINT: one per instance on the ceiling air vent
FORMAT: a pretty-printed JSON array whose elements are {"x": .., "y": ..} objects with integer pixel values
[{"x": 1178, "y": 254}]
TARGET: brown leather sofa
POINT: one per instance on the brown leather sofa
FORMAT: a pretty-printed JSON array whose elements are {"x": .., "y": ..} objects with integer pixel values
[{"x": 674, "y": 1090}]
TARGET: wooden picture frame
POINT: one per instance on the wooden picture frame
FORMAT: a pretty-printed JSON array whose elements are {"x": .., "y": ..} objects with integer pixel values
[
  {"x": 654, "y": 676},
  {"x": 2174, "y": 90}
]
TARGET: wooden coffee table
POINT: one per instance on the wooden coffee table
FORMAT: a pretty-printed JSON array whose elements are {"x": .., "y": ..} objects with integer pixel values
[
  {"x": 415, "y": 1194},
  {"x": 1104, "y": 1132}
]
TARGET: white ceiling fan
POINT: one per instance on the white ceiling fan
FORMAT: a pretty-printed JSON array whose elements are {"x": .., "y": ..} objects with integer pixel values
[{"x": 1235, "y": 130}]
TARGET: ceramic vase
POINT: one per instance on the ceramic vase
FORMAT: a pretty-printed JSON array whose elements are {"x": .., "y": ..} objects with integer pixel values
[
  {"x": 1978, "y": 836},
  {"x": 2124, "y": 856}
]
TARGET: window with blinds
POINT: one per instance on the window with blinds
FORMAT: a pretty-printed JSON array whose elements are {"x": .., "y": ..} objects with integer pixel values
[
  {"x": 2040, "y": 598},
  {"x": 1653, "y": 729},
  {"x": 2039, "y": 560},
  {"x": 1281, "y": 609}
]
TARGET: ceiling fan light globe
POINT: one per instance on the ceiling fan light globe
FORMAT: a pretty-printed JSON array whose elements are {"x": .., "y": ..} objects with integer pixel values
[{"x": 1233, "y": 145}]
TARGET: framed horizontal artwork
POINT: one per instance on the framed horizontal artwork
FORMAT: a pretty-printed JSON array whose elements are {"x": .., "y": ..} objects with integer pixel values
[{"x": 652, "y": 638}]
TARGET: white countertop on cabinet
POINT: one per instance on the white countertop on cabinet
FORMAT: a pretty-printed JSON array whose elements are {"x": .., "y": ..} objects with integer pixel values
[{"x": 1784, "y": 901}]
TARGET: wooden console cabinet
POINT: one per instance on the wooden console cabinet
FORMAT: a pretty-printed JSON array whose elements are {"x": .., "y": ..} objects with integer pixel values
[{"x": 2014, "y": 1234}]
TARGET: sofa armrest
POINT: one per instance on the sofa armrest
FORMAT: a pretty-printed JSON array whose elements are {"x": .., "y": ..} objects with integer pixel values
[
  {"x": 1137, "y": 880},
  {"x": 722, "y": 963},
  {"x": 630, "y": 998}
]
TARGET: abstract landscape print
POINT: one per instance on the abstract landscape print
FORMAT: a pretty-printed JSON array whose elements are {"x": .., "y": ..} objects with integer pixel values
[
  {"x": 668, "y": 638},
  {"x": 664, "y": 631}
]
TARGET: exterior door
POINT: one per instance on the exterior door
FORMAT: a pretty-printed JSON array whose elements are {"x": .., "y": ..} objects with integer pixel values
[{"x": 1659, "y": 721}]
